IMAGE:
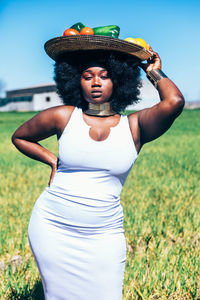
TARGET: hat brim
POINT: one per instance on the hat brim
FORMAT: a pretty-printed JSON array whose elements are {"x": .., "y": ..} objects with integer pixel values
[{"x": 63, "y": 44}]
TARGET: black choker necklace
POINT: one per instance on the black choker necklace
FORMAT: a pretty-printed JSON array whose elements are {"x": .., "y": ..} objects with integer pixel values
[{"x": 101, "y": 110}]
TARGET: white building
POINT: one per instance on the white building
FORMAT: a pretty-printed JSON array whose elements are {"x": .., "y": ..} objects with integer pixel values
[{"x": 33, "y": 98}]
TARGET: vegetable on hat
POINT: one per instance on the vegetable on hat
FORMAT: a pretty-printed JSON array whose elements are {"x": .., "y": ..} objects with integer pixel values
[
  {"x": 138, "y": 41},
  {"x": 87, "y": 30},
  {"x": 71, "y": 31},
  {"x": 110, "y": 30},
  {"x": 78, "y": 26}
]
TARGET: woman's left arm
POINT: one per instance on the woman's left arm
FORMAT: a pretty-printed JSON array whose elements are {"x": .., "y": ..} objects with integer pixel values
[{"x": 154, "y": 121}]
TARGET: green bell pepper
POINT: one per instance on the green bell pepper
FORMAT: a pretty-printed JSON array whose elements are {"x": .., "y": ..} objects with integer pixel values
[
  {"x": 110, "y": 30},
  {"x": 78, "y": 26}
]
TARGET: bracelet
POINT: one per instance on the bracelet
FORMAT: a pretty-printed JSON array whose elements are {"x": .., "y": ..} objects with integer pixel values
[{"x": 155, "y": 75}]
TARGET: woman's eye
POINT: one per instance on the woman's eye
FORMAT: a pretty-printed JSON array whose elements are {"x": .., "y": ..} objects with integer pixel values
[
  {"x": 104, "y": 77},
  {"x": 87, "y": 78}
]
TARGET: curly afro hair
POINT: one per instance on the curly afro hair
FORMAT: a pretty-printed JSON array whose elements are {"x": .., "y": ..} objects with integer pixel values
[{"x": 123, "y": 70}]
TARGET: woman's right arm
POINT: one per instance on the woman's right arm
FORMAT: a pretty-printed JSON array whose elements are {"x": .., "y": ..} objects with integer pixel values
[{"x": 43, "y": 125}]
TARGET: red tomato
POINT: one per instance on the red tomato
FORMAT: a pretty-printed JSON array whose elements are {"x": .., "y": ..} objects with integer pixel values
[
  {"x": 87, "y": 30},
  {"x": 71, "y": 31}
]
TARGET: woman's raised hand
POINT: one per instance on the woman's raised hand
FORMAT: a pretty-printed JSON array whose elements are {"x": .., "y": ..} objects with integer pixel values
[{"x": 154, "y": 62}]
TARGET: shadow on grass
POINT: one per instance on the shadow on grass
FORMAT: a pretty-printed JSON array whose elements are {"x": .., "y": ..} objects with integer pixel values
[{"x": 36, "y": 293}]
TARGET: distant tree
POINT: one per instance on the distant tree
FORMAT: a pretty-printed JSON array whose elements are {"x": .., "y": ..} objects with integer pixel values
[{"x": 2, "y": 87}]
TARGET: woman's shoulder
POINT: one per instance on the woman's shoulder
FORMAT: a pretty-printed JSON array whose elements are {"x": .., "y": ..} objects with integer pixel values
[
  {"x": 62, "y": 111},
  {"x": 58, "y": 112},
  {"x": 54, "y": 118},
  {"x": 62, "y": 115}
]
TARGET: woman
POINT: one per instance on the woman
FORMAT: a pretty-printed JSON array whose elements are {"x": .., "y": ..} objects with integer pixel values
[{"x": 76, "y": 228}]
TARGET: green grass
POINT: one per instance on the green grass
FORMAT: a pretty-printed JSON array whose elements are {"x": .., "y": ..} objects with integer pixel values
[{"x": 161, "y": 201}]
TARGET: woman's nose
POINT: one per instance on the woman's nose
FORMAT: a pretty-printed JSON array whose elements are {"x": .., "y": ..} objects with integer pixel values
[{"x": 96, "y": 81}]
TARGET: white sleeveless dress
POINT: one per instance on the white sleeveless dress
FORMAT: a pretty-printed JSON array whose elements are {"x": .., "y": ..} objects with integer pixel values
[{"x": 76, "y": 228}]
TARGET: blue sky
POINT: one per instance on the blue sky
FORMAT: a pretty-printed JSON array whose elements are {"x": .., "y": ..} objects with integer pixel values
[{"x": 172, "y": 28}]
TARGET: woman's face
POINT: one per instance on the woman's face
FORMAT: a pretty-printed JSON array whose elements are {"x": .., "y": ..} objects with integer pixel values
[{"x": 96, "y": 85}]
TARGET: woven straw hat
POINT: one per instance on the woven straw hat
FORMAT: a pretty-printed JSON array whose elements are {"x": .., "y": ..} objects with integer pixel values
[{"x": 64, "y": 44}]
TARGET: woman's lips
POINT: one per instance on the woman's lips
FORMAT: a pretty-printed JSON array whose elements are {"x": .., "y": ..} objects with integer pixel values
[{"x": 96, "y": 93}]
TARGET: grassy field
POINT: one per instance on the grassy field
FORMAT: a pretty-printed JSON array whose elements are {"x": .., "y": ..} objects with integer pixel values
[{"x": 161, "y": 201}]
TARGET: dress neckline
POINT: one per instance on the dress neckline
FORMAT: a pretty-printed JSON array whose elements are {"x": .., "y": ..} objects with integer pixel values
[{"x": 89, "y": 128}]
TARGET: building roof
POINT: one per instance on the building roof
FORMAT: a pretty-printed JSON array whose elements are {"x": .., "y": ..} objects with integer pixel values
[{"x": 30, "y": 91}]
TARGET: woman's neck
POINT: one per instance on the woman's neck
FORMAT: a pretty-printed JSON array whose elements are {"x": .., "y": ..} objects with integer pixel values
[{"x": 100, "y": 110}]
